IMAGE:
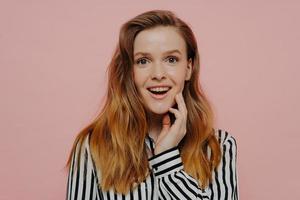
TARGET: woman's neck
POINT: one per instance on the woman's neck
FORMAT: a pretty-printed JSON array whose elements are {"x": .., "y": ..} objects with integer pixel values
[{"x": 155, "y": 125}]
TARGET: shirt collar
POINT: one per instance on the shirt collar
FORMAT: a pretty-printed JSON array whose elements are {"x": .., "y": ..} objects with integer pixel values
[{"x": 150, "y": 142}]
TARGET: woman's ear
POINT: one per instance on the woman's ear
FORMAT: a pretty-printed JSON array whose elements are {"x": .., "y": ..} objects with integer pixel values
[{"x": 189, "y": 69}]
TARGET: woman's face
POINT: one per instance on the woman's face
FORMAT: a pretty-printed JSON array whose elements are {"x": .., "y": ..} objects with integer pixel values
[{"x": 160, "y": 63}]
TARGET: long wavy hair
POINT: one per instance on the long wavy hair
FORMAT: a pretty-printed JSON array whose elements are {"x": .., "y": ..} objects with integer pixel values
[{"x": 117, "y": 134}]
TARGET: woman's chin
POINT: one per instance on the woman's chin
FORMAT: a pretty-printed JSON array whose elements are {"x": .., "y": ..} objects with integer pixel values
[
  {"x": 161, "y": 107},
  {"x": 159, "y": 110}
]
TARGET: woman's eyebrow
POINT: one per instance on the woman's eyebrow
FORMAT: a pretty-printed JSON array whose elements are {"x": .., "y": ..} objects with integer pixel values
[{"x": 167, "y": 52}]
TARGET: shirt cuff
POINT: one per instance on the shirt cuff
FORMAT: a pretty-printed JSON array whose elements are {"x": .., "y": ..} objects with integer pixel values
[{"x": 166, "y": 162}]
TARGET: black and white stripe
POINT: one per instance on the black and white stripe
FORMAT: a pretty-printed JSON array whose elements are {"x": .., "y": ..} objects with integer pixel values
[{"x": 167, "y": 180}]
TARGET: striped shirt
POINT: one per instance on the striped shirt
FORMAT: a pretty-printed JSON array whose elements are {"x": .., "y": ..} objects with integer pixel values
[{"x": 167, "y": 179}]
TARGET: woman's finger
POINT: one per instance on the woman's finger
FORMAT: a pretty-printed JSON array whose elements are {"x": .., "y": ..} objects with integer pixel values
[
  {"x": 182, "y": 103},
  {"x": 175, "y": 112},
  {"x": 179, "y": 126}
]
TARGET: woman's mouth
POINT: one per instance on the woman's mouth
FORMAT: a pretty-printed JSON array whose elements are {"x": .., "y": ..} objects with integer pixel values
[{"x": 159, "y": 93}]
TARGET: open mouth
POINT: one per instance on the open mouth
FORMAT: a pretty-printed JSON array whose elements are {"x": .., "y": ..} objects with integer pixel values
[{"x": 159, "y": 92}]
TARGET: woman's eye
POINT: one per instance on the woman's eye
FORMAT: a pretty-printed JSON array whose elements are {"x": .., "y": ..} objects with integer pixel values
[
  {"x": 173, "y": 59},
  {"x": 141, "y": 61}
]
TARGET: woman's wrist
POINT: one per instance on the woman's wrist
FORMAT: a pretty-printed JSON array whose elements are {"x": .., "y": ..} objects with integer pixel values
[{"x": 158, "y": 150}]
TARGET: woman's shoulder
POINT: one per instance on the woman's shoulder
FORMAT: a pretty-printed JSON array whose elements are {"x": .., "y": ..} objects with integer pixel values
[
  {"x": 82, "y": 146},
  {"x": 86, "y": 143},
  {"x": 224, "y": 137},
  {"x": 83, "y": 151}
]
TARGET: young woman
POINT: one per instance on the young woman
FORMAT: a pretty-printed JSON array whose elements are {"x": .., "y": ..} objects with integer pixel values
[{"x": 154, "y": 138}]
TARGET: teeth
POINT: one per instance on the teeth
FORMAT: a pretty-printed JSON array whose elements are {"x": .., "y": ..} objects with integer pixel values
[{"x": 159, "y": 89}]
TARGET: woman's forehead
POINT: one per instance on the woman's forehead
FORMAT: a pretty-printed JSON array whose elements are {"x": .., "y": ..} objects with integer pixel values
[{"x": 159, "y": 40}]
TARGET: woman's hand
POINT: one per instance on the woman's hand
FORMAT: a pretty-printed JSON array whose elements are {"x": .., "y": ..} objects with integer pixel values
[{"x": 170, "y": 137}]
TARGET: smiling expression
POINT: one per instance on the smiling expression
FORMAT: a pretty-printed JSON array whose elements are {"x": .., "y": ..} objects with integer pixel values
[{"x": 160, "y": 59}]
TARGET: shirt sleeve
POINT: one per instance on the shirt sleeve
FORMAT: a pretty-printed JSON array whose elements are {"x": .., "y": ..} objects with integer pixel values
[
  {"x": 82, "y": 182},
  {"x": 173, "y": 181}
]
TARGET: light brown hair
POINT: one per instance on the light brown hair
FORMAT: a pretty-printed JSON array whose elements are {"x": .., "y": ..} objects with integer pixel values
[{"x": 117, "y": 140}]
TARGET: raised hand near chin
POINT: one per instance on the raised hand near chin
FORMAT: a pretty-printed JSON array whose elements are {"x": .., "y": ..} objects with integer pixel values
[{"x": 170, "y": 136}]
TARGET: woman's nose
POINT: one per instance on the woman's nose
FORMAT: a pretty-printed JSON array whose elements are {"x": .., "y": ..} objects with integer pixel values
[{"x": 158, "y": 71}]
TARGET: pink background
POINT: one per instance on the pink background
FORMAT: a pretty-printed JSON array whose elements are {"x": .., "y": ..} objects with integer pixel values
[{"x": 53, "y": 57}]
